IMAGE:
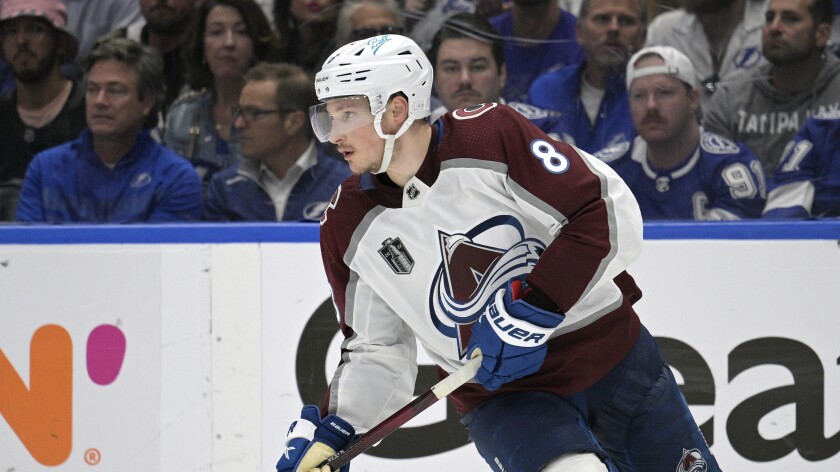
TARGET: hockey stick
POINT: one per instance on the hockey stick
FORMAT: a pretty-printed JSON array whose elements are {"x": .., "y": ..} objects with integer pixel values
[{"x": 404, "y": 414}]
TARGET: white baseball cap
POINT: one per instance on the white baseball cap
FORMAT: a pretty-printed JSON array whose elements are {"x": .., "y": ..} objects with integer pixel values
[{"x": 676, "y": 65}]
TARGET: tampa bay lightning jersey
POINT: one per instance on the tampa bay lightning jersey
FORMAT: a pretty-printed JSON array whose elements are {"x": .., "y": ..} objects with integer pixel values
[
  {"x": 807, "y": 182},
  {"x": 720, "y": 180},
  {"x": 495, "y": 198}
]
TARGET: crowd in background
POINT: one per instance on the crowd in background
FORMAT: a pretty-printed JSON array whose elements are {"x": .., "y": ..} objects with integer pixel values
[{"x": 187, "y": 110}]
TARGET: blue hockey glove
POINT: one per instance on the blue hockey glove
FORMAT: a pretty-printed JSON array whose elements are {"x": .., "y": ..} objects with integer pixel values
[
  {"x": 311, "y": 440},
  {"x": 512, "y": 336}
]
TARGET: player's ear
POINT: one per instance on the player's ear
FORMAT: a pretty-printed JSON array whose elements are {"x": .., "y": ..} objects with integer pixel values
[{"x": 398, "y": 108}]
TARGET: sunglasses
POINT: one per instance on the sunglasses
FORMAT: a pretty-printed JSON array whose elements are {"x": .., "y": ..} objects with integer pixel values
[{"x": 364, "y": 33}]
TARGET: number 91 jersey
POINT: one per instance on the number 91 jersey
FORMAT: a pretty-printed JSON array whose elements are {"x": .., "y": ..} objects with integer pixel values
[
  {"x": 720, "y": 180},
  {"x": 495, "y": 198}
]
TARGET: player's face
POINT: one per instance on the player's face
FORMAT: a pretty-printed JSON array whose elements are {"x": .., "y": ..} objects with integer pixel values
[
  {"x": 113, "y": 105},
  {"x": 228, "y": 48},
  {"x": 790, "y": 34},
  {"x": 611, "y": 32},
  {"x": 167, "y": 16},
  {"x": 352, "y": 131},
  {"x": 660, "y": 105},
  {"x": 467, "y": 74},
  {"x": 29, "y": 47}
]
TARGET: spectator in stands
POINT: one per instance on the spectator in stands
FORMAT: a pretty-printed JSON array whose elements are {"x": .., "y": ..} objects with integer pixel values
[
  {"x": 674, "y": 168},
  {"x": 766, "y": 107},
  {"x": 89, "y": 20},
  {"x": 720, "y": 37},
  {"x": 469, "y": 67},
  {"x": 225, "y": 39},
  {"x": 468, "y": 62},
  {"x": 362, "y": 19},
  {"x": 587, "y": 102},
  {"x": 114, "y": 172},
  {"x": 164, "y": 27},
  {"x": 538, "y": 37},
  {"x": 310, "y": 26},
  {"x": 286, "y": 174},
  {"x": 425, "y": 17},
  {"x": 807, "y": 182},
  {"x": 44, "y": 108}
]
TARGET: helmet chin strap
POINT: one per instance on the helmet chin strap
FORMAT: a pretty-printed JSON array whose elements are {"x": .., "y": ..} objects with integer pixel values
[{"x": 390, "y": 139}]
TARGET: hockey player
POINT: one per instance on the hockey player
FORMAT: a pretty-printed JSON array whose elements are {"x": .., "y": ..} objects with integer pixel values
[
  {"x": 480, "y": 232},
  {"x": 674, "y": 168}
]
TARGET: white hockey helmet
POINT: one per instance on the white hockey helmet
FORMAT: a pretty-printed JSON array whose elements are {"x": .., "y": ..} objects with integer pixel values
[{"x": 376, "y": 68}]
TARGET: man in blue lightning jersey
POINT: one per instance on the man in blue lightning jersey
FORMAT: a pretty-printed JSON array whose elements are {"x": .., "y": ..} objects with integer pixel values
[
  {"x": 807, "y": 182},
  {"x": 675, "y": 169}
]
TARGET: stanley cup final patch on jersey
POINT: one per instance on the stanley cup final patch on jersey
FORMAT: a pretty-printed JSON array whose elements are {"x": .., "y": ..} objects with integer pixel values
[{"x": 397, "y": 256}]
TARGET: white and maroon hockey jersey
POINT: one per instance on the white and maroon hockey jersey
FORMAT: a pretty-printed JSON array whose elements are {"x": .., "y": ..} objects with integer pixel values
[{"x": 495, "y": 198}]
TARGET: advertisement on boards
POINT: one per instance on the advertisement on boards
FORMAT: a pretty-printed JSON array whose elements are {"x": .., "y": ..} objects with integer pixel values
[
  {"x": 196, "y": 357},
  {"x": 749, "y": 328},
  {"x": 101, "y": 362}
]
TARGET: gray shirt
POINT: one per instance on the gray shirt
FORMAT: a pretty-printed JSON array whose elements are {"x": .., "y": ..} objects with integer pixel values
[
  {"x": 90, "y": 19},
  {"x": 683, "y": 31},
  {"x": 751, "y": 110}
]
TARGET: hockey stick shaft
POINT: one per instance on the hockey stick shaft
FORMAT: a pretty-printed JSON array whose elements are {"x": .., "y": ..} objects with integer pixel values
[{"x": 404, "y": 414}]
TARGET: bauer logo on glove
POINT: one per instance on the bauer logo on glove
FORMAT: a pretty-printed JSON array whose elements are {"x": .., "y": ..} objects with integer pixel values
[{"x": 512, "y": 335}]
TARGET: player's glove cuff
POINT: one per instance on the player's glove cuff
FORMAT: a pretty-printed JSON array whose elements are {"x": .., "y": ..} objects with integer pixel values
[
  {"x": 516, "y": 321},
  {"x": 311, "y": 440}
]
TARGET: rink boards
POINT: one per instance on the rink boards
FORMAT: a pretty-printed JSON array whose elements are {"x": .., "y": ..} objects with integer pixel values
[{"x": 191, "y": 348}]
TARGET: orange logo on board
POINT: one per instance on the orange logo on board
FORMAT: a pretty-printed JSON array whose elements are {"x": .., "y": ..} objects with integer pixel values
[{"x": 42, "y": 415}]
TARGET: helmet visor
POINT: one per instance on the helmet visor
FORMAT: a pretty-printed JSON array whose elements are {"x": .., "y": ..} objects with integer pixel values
[{"x": 339, "y": 116}]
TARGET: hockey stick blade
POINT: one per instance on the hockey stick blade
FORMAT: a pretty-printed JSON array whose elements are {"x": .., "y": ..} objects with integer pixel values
[{"x": 404, "y": 414}]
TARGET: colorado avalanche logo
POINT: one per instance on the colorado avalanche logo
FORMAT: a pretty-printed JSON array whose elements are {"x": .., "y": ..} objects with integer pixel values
[
  {"x": 474, "y": 265},
  {"x": 691, "y": 461}
]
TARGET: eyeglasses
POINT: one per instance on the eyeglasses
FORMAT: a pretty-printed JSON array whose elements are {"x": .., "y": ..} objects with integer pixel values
[
  {"x": 33, "y": 30},
  {"x": 364, "y": 33},
  {"x": 250, "y": 114}
]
